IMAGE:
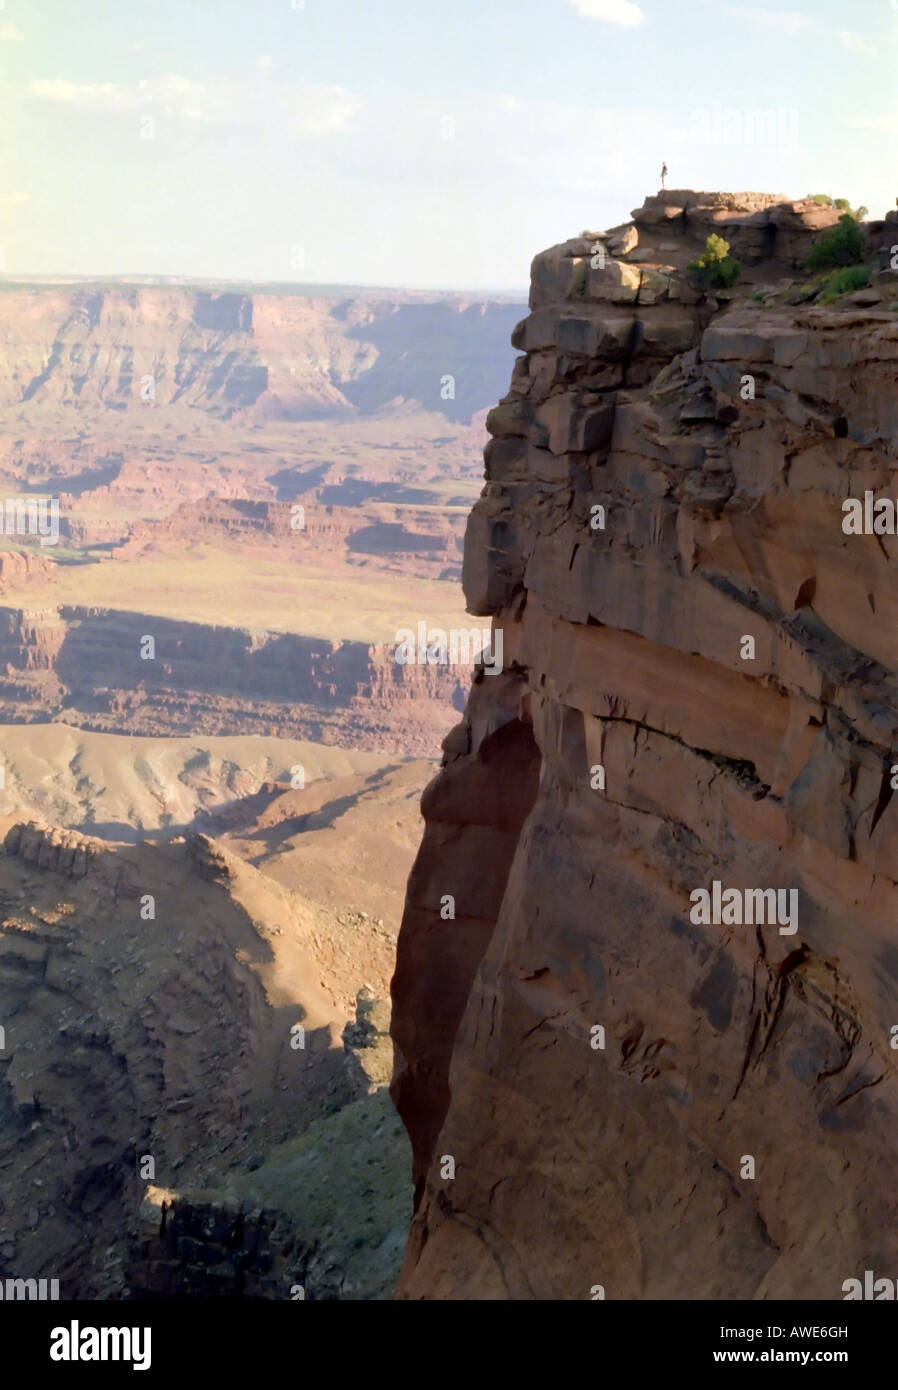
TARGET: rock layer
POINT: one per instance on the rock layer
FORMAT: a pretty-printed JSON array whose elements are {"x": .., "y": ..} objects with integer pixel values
[
  {"x": 275, "y": 356},
  {"x": 633, "y": 1098},
  {"x": 218, "y": 680}
]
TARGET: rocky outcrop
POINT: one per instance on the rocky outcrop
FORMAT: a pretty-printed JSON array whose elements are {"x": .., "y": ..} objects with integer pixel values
[
  {"x": 758, "y": 226},
  {"x": 191, "y": 1249},
  {"x": 369, "y": 1050},
  {"x": 49, "y": 847},
  {"x": 604, "y": 1084},
  {"x": 18, "y": 567}
]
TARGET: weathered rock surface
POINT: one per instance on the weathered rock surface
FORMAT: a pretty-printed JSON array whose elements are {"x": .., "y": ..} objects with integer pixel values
[
  {"x": 49, "y": 847},
  {"x": 369, "y": 1049},
  {"x": 19, "y": 567},
  {"x": 204, "y": 1250},
  {"x": 643, "y": 514}
]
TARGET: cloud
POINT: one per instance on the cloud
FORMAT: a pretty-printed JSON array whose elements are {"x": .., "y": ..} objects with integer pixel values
[
  {"x": 886, "y": 123},
  {"x": 315, "y": 111},
  {"x": 610, "y": 11},
  {"x": 10, "y": 33},
  {"x": 13, "y": 199},
  {"x": 302, "y": 111},
  {"x": 856, "y": 43},
  {"x": 97, "y": 96},
  {"x": 783, "y": 21},
  {"x": 791, "y": 22}
]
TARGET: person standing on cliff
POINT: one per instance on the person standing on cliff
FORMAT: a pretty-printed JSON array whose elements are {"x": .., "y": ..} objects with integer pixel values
[{"x": 663, "y": 174}]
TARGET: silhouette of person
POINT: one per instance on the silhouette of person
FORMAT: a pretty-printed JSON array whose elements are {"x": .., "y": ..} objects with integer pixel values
[{"x": 663, "y": 174}]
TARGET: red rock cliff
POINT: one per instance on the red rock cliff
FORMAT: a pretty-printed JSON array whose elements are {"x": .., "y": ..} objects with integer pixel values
[{"x": 665, "y": 480}]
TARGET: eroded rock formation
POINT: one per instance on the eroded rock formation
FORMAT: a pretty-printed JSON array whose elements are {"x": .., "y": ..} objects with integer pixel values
[
  {"x": 369, "y": 1052},
  {"x": 49, "y": 847},
  {"x": 666, "y": 479},
  {"x": 203, "y": 1250},
  {"x": 277, "y": 356},
  {"x": 19, "y": 567},
  {"x": 216, "y": 680}
]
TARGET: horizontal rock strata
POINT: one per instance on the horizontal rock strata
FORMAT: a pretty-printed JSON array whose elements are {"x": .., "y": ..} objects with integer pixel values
[
  {"x": 86, "y": 663},
  {"x": 665, "y": 480}
]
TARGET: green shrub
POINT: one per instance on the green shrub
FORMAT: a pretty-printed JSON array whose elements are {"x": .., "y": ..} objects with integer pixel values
[
  {"x": 857, "y": 213},
  {"x": 850, "y": 277},
  {"x": 842, "y": 245},
  {"x": 715, "y": 266},
  {"x": 842, "y": 204}
]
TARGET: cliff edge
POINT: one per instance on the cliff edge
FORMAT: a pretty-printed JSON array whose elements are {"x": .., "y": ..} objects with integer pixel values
[{"x": 647, "y": 976}]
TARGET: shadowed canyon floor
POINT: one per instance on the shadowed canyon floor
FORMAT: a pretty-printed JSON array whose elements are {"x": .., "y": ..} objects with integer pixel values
[{"x": 161, "y": 1133}]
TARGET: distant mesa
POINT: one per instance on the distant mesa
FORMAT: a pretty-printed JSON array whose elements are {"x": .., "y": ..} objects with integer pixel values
[{"x": 264, "y": 355}]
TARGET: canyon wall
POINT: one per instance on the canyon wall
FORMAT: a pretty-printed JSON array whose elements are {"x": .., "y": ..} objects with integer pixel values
[
  {"x": 422, "y": 541},
  {"x": 85, "y": 664},
  {"x": 285, "y": 355},
  {"x": 609, "y": 1095}
]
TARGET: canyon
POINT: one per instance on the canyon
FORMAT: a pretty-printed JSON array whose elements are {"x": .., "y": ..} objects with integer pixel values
[
  {"x": 230, "y": 952},
  {"x": 252, "y": 479},
  {"x": 210, "y": 770},
  {"x": 609, "y": 1077},
  {"x": 272, "y": 353}
]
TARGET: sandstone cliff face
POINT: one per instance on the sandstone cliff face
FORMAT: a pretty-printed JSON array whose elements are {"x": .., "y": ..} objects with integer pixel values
[
  {"x": 19, "y": 567},
  {"x": 634, "y": 751}
]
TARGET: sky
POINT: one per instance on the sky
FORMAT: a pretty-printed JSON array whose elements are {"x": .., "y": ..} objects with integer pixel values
[{"x": 434, "y": 144}]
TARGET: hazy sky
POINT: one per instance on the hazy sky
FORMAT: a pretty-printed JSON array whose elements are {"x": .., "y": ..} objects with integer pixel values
[{"x": 429, "y": 143}]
